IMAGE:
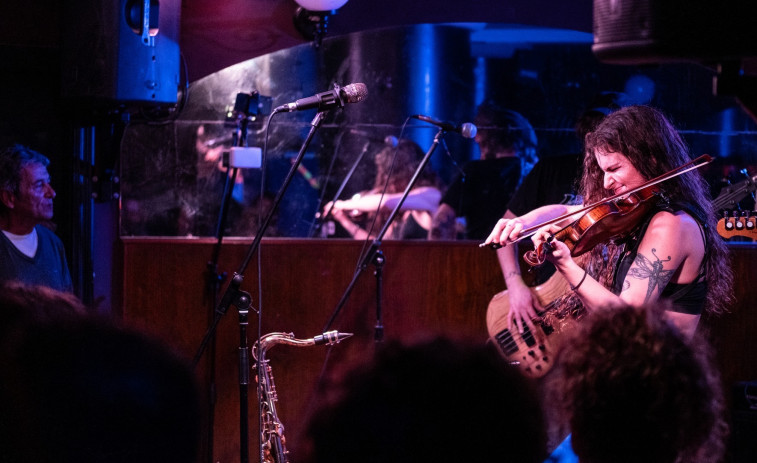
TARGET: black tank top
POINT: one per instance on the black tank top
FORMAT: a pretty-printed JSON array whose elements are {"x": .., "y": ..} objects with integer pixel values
[{"x": 687, "y": 298}]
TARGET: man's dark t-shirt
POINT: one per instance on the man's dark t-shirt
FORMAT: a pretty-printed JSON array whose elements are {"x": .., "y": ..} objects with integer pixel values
[
  {"x": 48, "y": 267},
  {"x": 482, "y": 192},
  {"x": 553, "y": 180}
]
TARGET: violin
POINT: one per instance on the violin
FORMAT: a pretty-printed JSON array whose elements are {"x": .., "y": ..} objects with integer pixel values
[{"x": 608, "y": 218}]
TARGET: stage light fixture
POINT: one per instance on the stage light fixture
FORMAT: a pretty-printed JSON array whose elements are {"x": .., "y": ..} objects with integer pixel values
[{"x": 311, "y": 17}]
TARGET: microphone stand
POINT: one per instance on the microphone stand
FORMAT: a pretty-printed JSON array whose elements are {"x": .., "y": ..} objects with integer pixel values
[
  {"x": 215, "y": 280},
  {"x": 375, "y": 256},
  {"x": 339, "y": 191},
  {"x": 241, "y": 300}
]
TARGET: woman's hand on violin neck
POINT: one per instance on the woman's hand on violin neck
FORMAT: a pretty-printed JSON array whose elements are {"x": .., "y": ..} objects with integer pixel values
[{"x": 556, "y": 251}]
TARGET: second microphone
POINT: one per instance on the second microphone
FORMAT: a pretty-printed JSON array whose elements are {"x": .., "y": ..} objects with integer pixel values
[{"x": 466, "y": 129}]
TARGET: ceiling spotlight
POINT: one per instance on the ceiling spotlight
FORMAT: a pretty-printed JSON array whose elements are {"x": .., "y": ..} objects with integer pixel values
[
  {"x": 321, "y": 5},
  {"x": 311, "y": 17}
]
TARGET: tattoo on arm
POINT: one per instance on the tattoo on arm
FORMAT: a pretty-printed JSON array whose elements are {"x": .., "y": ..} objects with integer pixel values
[{"x": 645, "y": 269}]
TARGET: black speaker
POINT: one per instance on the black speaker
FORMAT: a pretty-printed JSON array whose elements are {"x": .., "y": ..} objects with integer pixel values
[
  {"x": 657, "y": 31},
  {"x": 122, "y": 51}
]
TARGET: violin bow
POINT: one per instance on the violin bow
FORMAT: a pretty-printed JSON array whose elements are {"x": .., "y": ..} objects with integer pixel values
[{"x": 702, "y": 160}]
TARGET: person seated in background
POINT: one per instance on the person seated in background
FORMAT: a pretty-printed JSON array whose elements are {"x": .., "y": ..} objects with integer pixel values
[
  {"x": 478, "y": 196},
  {"x": 29, "y": 250},
  {"x": 632, "y": 387},
  {"x": 364, "y": 214},
  {"x": 76, "y": 388},
  {"x": 432, "y": 401}
]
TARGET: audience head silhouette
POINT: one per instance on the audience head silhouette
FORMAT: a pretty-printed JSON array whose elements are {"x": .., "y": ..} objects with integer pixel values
[
  {"x": 435, "y": 401},
  {"x": 77, "y": 388},
  {"x": 634, "y": 388}
]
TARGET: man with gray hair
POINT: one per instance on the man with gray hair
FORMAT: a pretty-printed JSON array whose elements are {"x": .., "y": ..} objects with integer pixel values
[{"x": 29, "y": 251}]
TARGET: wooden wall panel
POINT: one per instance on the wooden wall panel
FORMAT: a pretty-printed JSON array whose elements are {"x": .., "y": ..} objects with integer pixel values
[
  {"x": 428, "y": 288},
  {"x": 734, "y": 334},
  {"x": 440, "y": 288}
]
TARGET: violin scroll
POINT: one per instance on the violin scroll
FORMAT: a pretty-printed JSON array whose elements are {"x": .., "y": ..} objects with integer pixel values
[{"x": 538, "y": 256}]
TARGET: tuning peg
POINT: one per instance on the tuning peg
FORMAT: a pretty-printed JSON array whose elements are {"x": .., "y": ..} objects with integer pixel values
[
  {"x": 749, "y": 221},
  {"x": 728, "y": 224}
]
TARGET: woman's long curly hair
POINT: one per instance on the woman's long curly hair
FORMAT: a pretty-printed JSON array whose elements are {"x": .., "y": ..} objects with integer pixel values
[
  {"x": 395, "y": 167},
  {"x": 653, "y": 146},
  {"x": 631, "y": 388}
]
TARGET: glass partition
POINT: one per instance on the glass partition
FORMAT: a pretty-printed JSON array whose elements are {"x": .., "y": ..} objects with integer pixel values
[{"x": 172, "y": 174}]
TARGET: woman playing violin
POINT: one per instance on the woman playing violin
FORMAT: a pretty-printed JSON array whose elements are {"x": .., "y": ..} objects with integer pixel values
[
  {"x": 670, "y": 252},
  {"x": 395, "y": 167}
]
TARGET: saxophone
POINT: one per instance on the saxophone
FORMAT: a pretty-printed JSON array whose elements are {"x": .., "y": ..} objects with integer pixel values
[{"x": 272, "y": 440}]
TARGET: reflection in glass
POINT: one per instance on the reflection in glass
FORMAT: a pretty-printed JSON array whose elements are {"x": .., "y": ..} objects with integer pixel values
[
  {"x": 365, "y": 214},
  {"x": 173, "y": 178}
]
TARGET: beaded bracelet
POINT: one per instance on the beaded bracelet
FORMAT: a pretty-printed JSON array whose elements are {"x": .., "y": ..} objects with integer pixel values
[{"x": 575, "y": 288}]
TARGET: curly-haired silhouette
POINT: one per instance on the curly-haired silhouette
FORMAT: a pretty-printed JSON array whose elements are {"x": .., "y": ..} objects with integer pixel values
[{"x": 633, "y": 388}]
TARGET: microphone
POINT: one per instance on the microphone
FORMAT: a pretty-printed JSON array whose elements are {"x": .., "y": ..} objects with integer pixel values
[
  {"x": 330, "y": 338},
  {"x": 467, "y": 130},
  {"x": 352, "y": 93}
]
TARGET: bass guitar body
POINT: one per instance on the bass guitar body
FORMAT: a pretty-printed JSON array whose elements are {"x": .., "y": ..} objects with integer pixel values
[{"x": 534, "y": 354}]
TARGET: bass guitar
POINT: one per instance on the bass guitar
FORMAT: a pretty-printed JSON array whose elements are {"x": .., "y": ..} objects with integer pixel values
[
  {"x": 744, "y": 225},
  {"x": 535, "y": 354},
  {"x": 740, "y": 223}
]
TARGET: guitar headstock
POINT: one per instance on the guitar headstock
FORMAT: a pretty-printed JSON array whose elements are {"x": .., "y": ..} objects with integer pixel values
[{"x": 739, "y": 223}]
